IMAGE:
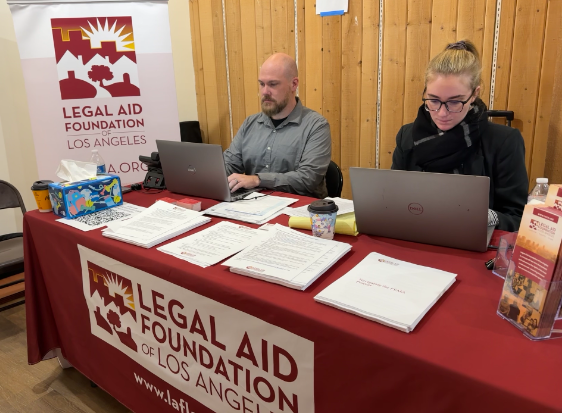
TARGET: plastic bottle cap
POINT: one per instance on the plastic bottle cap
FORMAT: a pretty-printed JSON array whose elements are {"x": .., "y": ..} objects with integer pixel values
[{"x": 542, "y": 180}]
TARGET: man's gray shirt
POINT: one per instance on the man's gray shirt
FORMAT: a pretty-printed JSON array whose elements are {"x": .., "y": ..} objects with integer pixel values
[{"x": 293, "y": 157}]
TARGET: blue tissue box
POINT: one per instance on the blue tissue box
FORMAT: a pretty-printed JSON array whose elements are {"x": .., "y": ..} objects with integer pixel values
[{"x": 71, "y": 200}]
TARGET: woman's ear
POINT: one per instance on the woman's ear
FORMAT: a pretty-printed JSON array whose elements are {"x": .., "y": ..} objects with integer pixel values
[{"x": 476, "y": 93}]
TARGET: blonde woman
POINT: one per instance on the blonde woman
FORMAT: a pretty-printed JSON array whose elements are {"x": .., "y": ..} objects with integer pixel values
[{"x": 452, "y": 134}]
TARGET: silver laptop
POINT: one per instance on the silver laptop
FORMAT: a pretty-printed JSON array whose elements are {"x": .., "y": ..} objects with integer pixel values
[
  {"x": 440, "y": 209},
  {"x": 197, "y": 169}
]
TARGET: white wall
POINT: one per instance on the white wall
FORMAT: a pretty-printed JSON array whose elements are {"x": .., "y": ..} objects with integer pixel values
[{"x": 17, "y": 152}]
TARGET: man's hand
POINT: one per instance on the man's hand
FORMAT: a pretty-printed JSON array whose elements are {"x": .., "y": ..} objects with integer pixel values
[{"x": 237, "y": 181}]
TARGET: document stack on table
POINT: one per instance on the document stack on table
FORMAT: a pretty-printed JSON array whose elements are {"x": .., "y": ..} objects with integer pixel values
[
  {"x": 287, "y": 257},
  {"x": 392, "y": 292},
  {"x": 159, "y": 223},
  {"x": 256, "y": 208},
  {"x": 213, "y": 244}
]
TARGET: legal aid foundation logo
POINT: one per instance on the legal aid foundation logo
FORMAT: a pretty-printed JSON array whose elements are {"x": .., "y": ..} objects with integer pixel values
[
  {"x": 95, "y": 57},
  {"x": 114, "y": 304}
]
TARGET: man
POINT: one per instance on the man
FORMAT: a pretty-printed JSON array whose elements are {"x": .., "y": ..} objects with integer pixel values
[{"x": 285, "y": 148}]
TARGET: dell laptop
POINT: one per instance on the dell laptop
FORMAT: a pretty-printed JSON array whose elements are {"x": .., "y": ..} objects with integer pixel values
[
  {"x": 431, "y": 208},
  {"x": 197, "y": 169}
]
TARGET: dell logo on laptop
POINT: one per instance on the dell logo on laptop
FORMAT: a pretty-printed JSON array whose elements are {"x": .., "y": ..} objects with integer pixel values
[
  {"x": 191, "y": 168},
  {"x": 415, "y": 209}
]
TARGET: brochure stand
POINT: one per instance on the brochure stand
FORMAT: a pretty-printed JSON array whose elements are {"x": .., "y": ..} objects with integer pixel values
[{"x": 534, "y": 308}]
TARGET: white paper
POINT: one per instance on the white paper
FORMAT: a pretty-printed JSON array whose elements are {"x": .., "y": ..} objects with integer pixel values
[
  {"x": 158, "y": 239},
  {"x": 390, "y": 291},
  {"x": 258, "y": 211},
  {"x": 102, "y": 218},
  {"x": 345, "y": 206},
  {"x": 282, "y": 254},
  {"x": 160, "y": 218},
  {"x": 326, "y": 6},
  {"x": 213, "y": 244},
  {"x": 72, "y": 171}
]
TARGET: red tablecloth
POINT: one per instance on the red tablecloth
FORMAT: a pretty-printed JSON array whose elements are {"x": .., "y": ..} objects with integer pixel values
[{"x": 460, "y": 357}]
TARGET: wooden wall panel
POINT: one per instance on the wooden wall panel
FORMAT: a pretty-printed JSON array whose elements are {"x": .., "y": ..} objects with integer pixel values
[
  {"x": 369, "y": 89},
  {"x": 488, "y": 50},
  {"x": 263, "y": 30},
  {"x": 279, "y": 27},
  {"x": 443, "y": 24},
  {"x": 313, "y": 81},
  {"x": 553, "y": 167},
  {"x": 301, "y": 36},
  {"x": 393, "y": 75},
  {"x": 250, "y": 61},
  {"x": 528, "y": 40},
  {"x": 220, "y": 64},
  {"x": 553, "y": 38},
  {"x": 210, "y": 70},
  {"x": 339, "y": 62},
  {"x": 417, "y": 56},
  {"x": 350, "y": 91},
  {"x": 198, "y": 66},
  {"x": 471, "y": 22},
  {"x": 505, "y": 44},
  {"x": 291, "y": 28},
  {"x": 331, "y": 80},
  {"x": 235, "y": 63}
]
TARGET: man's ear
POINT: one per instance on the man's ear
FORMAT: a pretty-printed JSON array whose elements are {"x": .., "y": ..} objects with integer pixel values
[{"x": 295, "y": 84}]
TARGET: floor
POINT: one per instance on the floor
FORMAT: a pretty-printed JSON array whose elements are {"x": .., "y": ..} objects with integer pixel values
[{"x": 44, "y": 387}]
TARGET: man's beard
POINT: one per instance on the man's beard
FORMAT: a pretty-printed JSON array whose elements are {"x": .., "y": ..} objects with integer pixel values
[{"x": 275, "y": 108}]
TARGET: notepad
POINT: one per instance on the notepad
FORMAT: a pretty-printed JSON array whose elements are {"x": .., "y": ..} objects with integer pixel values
[{"x": 389, "y": 291}]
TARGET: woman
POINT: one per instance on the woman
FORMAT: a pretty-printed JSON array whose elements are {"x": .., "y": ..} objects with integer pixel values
[{"x": 451, "y": 134}]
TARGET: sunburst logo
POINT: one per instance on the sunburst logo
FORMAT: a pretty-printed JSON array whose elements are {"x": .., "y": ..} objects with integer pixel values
[
  {"x": 114, "y": 305},
  {"x": 102, "y": 33},
  {"x": 95, "y": 57},
  {"x": 115, "y": 286}
]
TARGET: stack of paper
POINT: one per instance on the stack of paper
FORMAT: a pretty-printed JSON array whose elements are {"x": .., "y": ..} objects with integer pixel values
[
  {"x": 213, "y": 244},
  {"x": 392, "y": 292},
  {"x": 256, "y": 208},
  {"x": 159, "y": 223},
  {"x": 287, "y": 257}
]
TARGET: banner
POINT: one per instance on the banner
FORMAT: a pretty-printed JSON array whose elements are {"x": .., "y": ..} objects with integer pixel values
[
  {"x": 97, "y": 76},
  {"x": 226, "y": 359}
]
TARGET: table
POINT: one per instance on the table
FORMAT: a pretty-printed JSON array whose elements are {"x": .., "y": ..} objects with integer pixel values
[{"x": 461, "y": 356}]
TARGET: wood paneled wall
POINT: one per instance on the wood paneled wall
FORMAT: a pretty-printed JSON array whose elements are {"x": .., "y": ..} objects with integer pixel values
[{"x": 367, "y": 97}]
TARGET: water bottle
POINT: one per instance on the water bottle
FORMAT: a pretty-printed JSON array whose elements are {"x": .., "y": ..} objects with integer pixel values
[
  {"x": 540, "y": 191},
  {"x": 98, "y": 160}
]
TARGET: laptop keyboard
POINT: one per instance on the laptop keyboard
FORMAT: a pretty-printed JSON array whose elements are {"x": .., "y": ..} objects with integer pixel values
[{"x": 241, "y": 193}]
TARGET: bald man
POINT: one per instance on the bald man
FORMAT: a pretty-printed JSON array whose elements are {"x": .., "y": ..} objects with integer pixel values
[{"x": 287, "y": 147}]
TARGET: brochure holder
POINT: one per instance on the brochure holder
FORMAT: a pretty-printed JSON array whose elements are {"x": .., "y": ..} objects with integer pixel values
[
  {"x": 504, "y": 253},
  {"x": 534, "y": 308}
]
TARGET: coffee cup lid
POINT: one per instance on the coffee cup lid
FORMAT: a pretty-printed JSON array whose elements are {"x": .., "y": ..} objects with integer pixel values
[
  {"x": 40, "y": 185},
  {"x": 323, "y": 206}
]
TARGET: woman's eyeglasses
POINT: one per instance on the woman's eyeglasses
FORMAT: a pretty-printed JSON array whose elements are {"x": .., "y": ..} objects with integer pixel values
[{"x": 453, "y": 106}]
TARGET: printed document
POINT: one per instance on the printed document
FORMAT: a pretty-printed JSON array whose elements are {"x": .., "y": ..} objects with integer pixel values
[
  {"x": 159, "y": 223},
  {"x": 158, "y": 219},
  {"x": 392, "y": 292},
  {"x": 287, "y": 257},
  {"x": 100, "y": 219},
  {"x": 255, "y": 208},
  {"x": 213, "y": 244}
]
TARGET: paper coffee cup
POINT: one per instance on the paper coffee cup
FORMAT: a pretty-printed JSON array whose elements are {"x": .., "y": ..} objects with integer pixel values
[
  {"x": 323, "y": 218},
  {"x": 41, "y": 193}
]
